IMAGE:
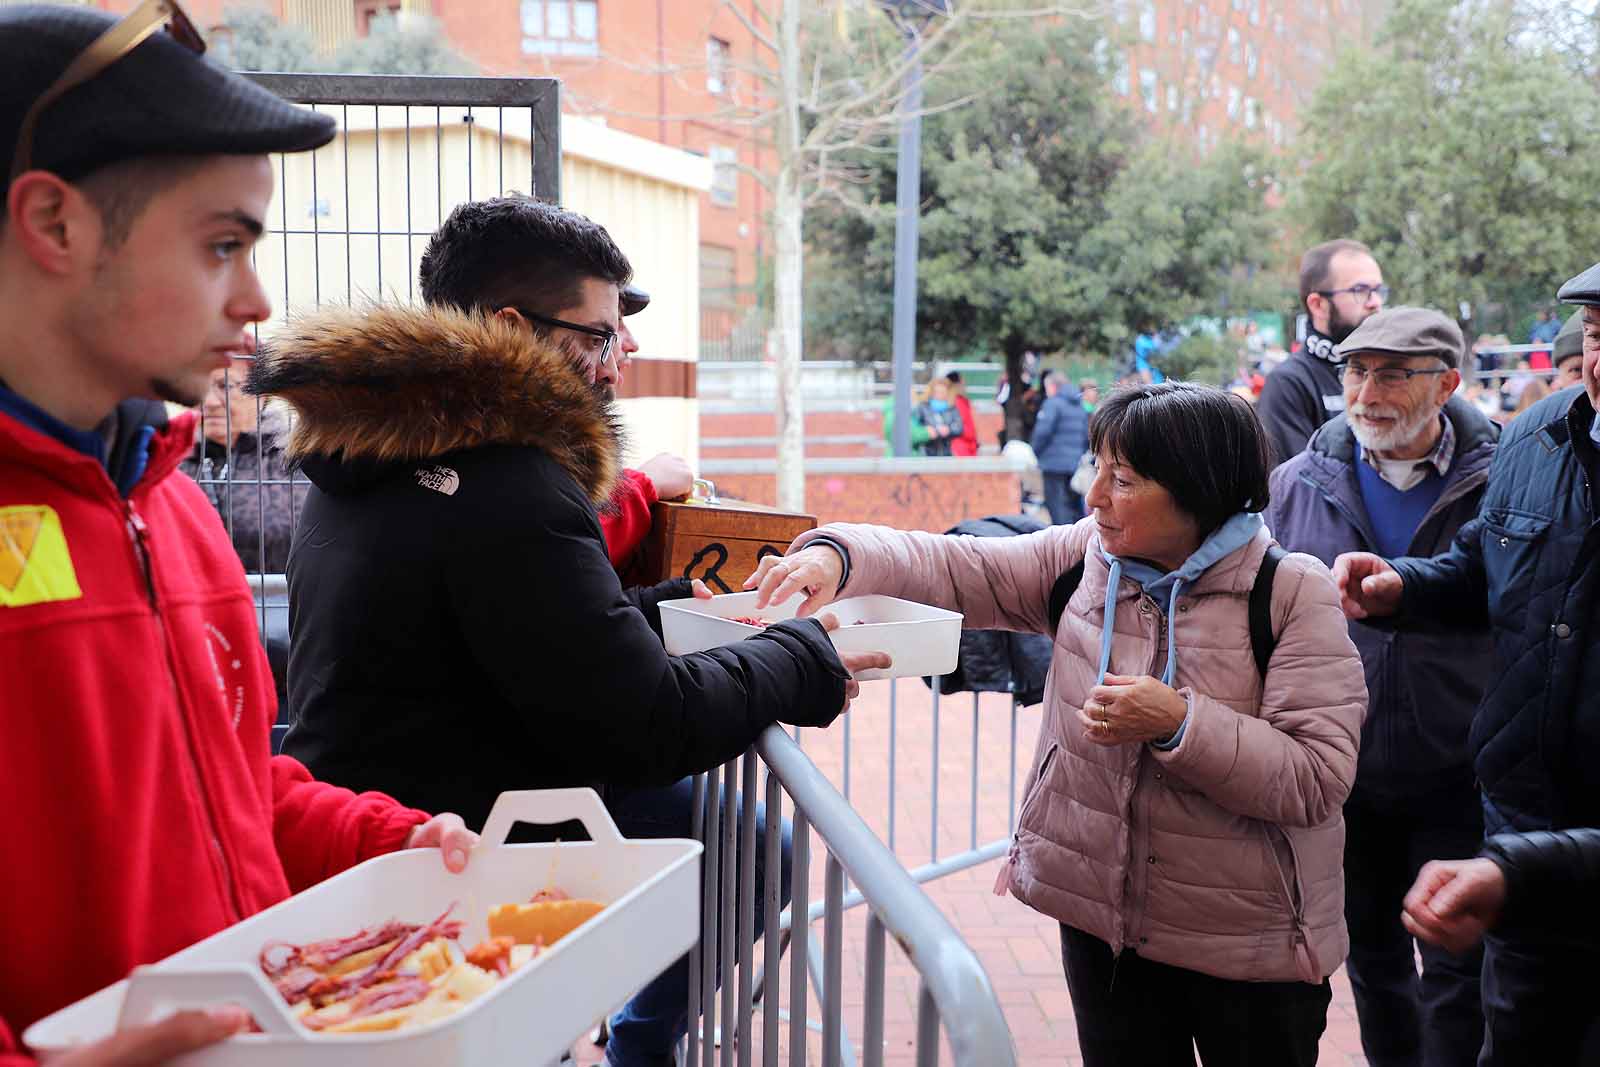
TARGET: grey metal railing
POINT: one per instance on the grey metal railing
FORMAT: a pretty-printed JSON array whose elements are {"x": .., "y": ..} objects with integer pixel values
[{"x": 954, "y": 995}]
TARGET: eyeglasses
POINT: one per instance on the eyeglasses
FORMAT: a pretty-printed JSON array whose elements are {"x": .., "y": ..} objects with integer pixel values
[
  {"x": 124, "y": 36},
  {"x": 610, "y": 336},
  {"x": 1362, "y": 293},
  {"x": 1386, "y": 377}
]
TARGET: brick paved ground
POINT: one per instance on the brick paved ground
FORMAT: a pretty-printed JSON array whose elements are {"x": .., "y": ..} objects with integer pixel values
[{"x": 1016, "y": 946}]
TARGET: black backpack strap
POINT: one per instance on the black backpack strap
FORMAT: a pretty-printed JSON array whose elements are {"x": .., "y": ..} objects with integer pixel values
[
  {"x": 1263, "y": 642},
  {"x": 1062, "y": 592}
]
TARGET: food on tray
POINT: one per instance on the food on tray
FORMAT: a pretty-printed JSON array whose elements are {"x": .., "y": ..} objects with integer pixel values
[
  {"x": 752, "y": 620},
  {"x": 397, "y": 974},
  {"x": 542, "y": 922}
]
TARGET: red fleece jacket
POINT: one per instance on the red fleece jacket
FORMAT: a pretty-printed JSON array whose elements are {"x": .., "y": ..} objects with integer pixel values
[
  {"x": 626, "y": 521},
  {"x": 143, "y": 810}
]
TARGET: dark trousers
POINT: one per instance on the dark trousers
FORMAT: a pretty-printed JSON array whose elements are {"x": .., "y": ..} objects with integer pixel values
[
  {"x": 1407, "y": 1020},
  {"x": 1065, "y": 506},
  {"x": 1539, "y": 1003},
  {"x": 1135, "y": 1013}
]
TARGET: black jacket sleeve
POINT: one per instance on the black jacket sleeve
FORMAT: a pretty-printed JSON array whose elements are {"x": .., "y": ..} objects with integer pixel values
[
  {"x": 1290, "y": 411},
  {"x": 648, "y": 598},
  {"x": 542, "y": 612},
  {"x": 1552, "y": 878},
  {"x": 1449, "y": 589}
]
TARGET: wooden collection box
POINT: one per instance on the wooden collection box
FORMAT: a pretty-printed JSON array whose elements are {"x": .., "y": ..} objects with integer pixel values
[{"x": 718, "y": 541}]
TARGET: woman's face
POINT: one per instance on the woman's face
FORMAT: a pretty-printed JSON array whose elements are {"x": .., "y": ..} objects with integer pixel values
[{"x": 1137, "y": 517}]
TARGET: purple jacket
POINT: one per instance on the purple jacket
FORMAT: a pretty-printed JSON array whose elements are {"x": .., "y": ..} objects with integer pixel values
[{"x": 1423, "y": 681}]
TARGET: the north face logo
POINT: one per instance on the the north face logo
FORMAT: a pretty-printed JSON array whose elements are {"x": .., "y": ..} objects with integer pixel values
[{"x": 439, "y": 479}]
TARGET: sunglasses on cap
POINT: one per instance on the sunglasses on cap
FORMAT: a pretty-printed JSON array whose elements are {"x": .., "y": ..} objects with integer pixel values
[{"x": 118, "y": 40}]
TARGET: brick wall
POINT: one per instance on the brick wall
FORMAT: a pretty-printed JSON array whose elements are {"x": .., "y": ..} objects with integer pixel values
[{"x": 932, "y": 500}]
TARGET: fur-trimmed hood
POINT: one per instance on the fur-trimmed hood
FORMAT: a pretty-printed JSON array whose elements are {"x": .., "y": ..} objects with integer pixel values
[{"x": 402, "y": 384}]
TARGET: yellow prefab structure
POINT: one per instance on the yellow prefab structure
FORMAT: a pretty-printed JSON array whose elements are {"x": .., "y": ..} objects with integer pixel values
[{"x": 349, "y": 224}]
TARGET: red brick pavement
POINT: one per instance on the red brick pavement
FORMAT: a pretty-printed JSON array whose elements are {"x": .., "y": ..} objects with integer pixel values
[{"x": 1017, "y": 946}]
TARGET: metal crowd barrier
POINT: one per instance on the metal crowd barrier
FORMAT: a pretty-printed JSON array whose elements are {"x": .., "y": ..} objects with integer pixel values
[{"x": 954, "y": 996}]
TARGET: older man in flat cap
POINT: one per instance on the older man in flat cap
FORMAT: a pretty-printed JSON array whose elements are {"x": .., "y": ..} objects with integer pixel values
[
  {"x": 1529, "y": 566},
  {"x": 1398, "y": 473},
  {"x": 143, "y": 810}
]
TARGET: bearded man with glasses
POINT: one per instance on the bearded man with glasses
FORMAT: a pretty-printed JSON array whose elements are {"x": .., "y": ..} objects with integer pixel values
[
  {"x": 144, "y": 811},
  {"x": 1398, "y": 473},
  {"x": 1340, "y": 287}
]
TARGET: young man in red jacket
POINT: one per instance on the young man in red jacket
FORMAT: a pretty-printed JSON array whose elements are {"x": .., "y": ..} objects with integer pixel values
[{"x": 143, "y": 811}]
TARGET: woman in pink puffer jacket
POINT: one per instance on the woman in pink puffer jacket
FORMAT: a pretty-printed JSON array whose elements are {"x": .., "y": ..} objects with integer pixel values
[{"x": 1182, "y": 818}]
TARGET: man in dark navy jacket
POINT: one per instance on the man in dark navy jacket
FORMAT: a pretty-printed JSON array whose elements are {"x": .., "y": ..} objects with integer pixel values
[{"x": 1529, "y": 566}]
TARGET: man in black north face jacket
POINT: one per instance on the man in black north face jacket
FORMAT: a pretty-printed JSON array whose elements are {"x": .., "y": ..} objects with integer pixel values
[{"x": 1529, "y": 565}]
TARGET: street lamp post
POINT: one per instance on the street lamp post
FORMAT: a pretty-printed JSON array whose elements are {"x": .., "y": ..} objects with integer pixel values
[{"x": 911, "y": 16}]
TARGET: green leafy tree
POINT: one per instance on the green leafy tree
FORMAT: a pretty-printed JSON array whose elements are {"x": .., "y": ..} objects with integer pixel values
[
  {"x": 1462, "y": 149},
  {"x": 252, "y": 39},
  {"x": 1048, "y": 221},
  {"x": 412, "y": 44}
]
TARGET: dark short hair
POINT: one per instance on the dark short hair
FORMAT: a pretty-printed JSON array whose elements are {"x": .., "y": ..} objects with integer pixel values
[
  {"x": 1205, "y": 446},
  {"x": 954, "y": 377},
  {"x": 509, "y": 250},
  {"x": 1317, "y": 263},
  {"x": 119, "y": 192}
]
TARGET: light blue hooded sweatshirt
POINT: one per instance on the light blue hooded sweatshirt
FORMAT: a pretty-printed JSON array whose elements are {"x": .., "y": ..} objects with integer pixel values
[{"x": 1164, "y": 587}]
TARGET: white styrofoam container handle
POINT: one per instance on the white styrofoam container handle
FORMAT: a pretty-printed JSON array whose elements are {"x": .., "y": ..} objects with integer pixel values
[
  {"x": 549, "y": 806},
  {"x": 155, "y": 992}
]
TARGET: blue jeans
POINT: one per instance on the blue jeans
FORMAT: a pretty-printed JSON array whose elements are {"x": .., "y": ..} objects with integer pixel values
[{"x": 647, "y": 1028}]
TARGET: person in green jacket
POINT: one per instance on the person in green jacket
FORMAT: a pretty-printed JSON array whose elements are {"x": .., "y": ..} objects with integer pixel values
[{"x": 919, "y": 432}]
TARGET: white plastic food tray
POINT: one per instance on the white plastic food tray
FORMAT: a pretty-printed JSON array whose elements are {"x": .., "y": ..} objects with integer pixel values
[
  {"x": 922, "y": 640},
  {"x": 652, "y": 892}
]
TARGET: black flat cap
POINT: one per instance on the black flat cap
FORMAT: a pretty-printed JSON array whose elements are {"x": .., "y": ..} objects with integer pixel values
[
  {"x": 159, "y": 99},
  {"x": 634, "y": 299},
  {"x": 1569, "y": 342},
  {"x": 1406, "y": 331},
  {"x": 1584, "y": 289}
]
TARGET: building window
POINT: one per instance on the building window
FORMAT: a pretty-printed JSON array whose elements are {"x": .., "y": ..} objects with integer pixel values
[
  {"x": 717, "y": 52},
  {"x": 1149, "y": 90},
  {"x": 724, "y": 176},
  {"x": 1147, "y": 21},
  {"x": 1250, "y": 113},
  {"x": 1233, "y": 46},
  {"x": 560, "y": 27},
  {"x": 1119, "y": 79},
  {"x": 1234, "y": 99},
  {"x": 718, "y": 277},
  {"x": 1250, "y": 61},
  {"x": 368, "y": 11}
]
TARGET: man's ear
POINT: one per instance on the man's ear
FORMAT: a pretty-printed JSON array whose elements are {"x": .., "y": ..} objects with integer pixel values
[
  {"x": 51, "y": 222},
  {"x": 1316, "y": 304},
  {"x": 1449, "y": 382}
]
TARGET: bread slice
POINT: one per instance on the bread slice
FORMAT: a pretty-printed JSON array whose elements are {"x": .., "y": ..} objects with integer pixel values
[{"x": 544, "y": 923}]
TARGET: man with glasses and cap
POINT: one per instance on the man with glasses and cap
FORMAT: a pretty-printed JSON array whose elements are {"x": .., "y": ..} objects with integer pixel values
[
  {"x": 1340, "y": 286},
  {"x": 1398, "y": 473},
  {"x": 449, "y": 580},
  {"x": 1528, "y": 566},
  {"x": 143, "y": 810}
]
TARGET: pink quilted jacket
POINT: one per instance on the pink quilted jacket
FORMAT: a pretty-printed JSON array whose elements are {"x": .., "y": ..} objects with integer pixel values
[{"x": 1224, "y": 855}]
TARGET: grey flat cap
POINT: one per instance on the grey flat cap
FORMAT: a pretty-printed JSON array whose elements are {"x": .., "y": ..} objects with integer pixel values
[
  {"x": 1406, "y": 331},
  {"x": 1569, "y": 342},
  {"x": 1584, "y": 289},
  {"x": 159, "y": 99}
]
